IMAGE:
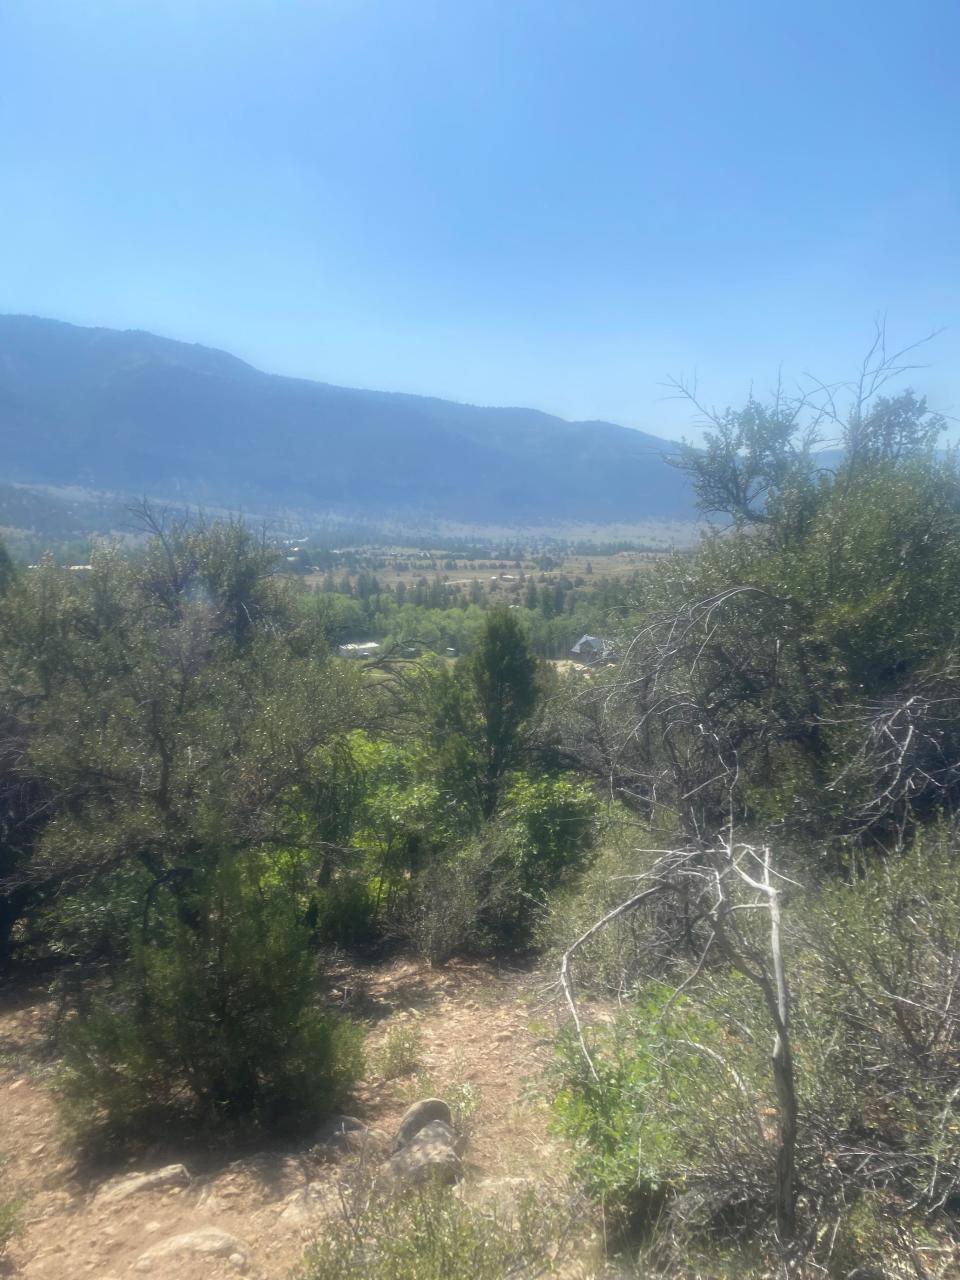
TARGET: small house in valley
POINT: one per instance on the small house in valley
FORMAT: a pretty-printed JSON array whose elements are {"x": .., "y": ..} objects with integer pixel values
[{"x": 593, "y": 649}]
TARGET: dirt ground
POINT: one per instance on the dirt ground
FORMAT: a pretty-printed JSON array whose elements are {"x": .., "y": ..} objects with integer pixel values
[{"x": 484, "y": 1038}]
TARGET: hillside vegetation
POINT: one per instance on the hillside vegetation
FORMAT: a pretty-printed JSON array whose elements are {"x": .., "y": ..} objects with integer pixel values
[
  {"x": 733, "y": 848},
  {"x": 129, "y": 411}
]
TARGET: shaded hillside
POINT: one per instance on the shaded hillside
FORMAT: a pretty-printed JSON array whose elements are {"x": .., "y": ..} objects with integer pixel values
[{"x": 130, "y": 411}]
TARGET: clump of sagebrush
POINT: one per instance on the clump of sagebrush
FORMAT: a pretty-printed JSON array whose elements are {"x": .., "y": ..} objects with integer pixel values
[
  {"x": 213, "y": 1018},
  {"x": 470, "y": 902},
  {"x": 676, "y": 1132},
  {"x": 399, "y": 1054},
  {"x": 10, "y": 1211},
  {"x": 432, "y": 1234},
  {"x": 618, "y": 957},
  {"x": 488, "y": 893}
]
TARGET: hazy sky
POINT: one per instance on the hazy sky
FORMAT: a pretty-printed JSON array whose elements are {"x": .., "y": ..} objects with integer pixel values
[{"x": 555, "y": 203}]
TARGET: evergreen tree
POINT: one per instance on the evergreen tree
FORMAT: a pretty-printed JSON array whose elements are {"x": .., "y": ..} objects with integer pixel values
[{"x": 500, "y": 679}]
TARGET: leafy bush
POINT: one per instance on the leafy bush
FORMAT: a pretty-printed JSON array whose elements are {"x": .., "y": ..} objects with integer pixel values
[
  {"x": 214, "y": 1016},
  {"x": 668, "y": 1115},
  {"x": 617, "y": 958},
  {"x": 343, "y": 912},
  {"x": 678, "y": 1131},
  {"x": 879, "y": 1021},
  {"x": 454, "y": 904},
  {"x": 430, "y": 1234},
  {"x": 399, "y": 1054},
  {"x": 553, "y": 822}
]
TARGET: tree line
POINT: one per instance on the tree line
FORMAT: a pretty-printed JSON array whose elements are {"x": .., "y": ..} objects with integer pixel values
[{"x": 743, "y": 830}]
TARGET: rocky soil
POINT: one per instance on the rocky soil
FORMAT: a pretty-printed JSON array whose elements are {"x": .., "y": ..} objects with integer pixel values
[{"x": 181, "y": 1212}]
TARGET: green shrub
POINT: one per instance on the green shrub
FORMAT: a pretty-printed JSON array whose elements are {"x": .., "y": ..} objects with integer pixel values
[
  {"x": 553, "y": 822},
  {"x": 430, "y": 1234},
  {"x": 10, "y": 1211},
  {"x": 215, "y": 1018},
  {"x": 617, "y": 958},
  {"x": 458, "y": 903},
  {"x": 343, "y": 912},
  {"x": 399, "y": 1054},
  {"x": 679, "y": 1132},
  {"x": 674, "y": 1111},
  {"x": 878, "y": 1022}
]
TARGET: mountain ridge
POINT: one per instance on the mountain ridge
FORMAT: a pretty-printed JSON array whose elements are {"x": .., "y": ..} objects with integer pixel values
[{"x": 130, "y": 410}]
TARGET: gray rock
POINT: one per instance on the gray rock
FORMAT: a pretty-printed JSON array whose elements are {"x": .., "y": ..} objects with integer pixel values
[
  {"x": 437, "y": 1131},
  {"x": 345, "y": 1133},
  {"x": 205, "y": 1242},
  {"x": 314, "y": 1201},
  {"x": 336, "y": 1127},
  {"x": 172, "y": 1175},
  {"x": 366, "y": 1142},
  {"x": 430, "y": 1155},
  {"x": 420, "y": 1114}
]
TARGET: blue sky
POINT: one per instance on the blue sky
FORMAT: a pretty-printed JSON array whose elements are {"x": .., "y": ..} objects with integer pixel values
[{"x": 557, "y": 203}]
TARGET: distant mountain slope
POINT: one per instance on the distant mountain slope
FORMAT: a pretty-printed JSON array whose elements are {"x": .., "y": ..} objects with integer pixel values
[{"x": 130, "y": 411}]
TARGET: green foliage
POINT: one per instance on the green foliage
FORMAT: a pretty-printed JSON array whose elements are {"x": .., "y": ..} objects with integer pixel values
[
  {"x": 678, "y": 1129},
  {"x": 214, "y": 1017},
  {"x": 615, "y": 960},
  {"x": 343, "y": 912},
  {"x": 499, "y": 686},
  {"x": 399, "y": 1055},
  {"x": 457, "y": 903},
  {"x": 10, "y": 1221},
  {"x": 431, "y": 1235},
  {"x": 6, "y": 568},
  {"x": 880, "y": 1020},
  {"x": 750, "y": 457},
  {"x": 11, "y": 1210},
  {"x": 650, "y": 1126},
  {"x": 788, "y": 647},
  {"x": 553, "y": 821}
]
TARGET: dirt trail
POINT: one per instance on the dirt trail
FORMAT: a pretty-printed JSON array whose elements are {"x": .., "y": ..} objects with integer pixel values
[{"x": 478, "y": 1040}]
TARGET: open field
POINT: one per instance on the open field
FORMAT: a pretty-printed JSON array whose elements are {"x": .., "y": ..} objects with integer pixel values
[{"x": 498, "y": 578}]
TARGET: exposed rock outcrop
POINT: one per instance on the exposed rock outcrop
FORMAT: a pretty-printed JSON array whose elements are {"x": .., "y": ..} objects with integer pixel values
[{"x": 172, "y": 1175}]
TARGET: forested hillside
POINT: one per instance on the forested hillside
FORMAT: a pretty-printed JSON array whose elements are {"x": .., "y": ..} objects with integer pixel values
[
  {"x": 133, "y": 412},
  {"x": 730, "y": 851}
]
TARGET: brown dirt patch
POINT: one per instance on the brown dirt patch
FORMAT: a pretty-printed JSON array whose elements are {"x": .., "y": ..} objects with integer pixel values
[{"x": 479, "y": 1038}]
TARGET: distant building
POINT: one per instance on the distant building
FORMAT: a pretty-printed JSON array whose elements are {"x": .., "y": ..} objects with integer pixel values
[
  {"x": 365, "y": 650},
  {"x": 594, "y": 649}
]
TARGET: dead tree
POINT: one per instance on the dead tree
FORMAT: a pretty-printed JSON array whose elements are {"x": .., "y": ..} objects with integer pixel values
[{"x": 727, "y": 880}]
